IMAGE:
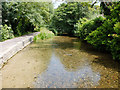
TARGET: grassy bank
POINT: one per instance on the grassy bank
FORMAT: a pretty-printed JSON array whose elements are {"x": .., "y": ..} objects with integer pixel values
[{"x": 44, "y": 34}]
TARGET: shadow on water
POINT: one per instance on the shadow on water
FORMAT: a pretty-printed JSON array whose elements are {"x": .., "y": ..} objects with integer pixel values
[{"x": 63, "y": 42}]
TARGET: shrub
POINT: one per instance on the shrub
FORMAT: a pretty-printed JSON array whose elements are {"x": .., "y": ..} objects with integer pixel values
[
  {"x": 106, "y": 38},
  {"x": 115, "y": 47},
  {"x": 44, "y": 34},
  {"x": 37, "y": 29},
  {"x": 84, "y": 26},
  {"x": 6, "y": 32},
  {"x": 117, "y": 27},
  {"x": 115, "y": 42},
  {"x": 99, "y": 38}
]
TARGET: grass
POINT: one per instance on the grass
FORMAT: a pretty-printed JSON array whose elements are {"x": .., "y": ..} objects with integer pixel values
[{"x": 44, "y": 34}]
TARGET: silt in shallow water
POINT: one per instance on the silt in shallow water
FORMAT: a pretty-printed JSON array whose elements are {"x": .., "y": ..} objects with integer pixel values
[{"x": 60, "y": 62}]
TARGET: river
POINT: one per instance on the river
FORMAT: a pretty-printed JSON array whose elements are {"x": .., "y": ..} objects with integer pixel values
[{"x": 60, "y": 62}]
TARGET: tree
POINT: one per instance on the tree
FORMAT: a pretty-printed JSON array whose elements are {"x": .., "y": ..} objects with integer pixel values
[
  {"x": 25, "y": 16},
  {"x": 67, "y": 15}
]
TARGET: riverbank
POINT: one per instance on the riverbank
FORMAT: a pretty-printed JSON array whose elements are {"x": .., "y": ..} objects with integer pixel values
[{"x": 10, "y": 47}]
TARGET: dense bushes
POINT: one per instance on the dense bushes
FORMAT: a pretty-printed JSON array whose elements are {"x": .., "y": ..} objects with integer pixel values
[
  {"x": 85, "y": 26},
  {"x": 115, "y": 47},
  {"x": 104, "y": 35},
  {"x": 99, "y": 37},
  {"x": 106, "y": 38},
  {"x": 44, "y": 34},
  {"x": 115, "y": 42},
  {"x": 6, "y": 32}
]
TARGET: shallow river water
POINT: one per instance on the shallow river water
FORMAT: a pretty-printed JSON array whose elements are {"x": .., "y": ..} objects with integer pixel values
[{"x": 61, "y": 62}]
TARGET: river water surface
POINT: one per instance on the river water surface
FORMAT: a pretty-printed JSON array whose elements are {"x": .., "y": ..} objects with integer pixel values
[{"x": 61, "y": 62}]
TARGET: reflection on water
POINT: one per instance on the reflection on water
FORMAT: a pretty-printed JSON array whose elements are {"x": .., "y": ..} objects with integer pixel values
[
  {"x": 57, "y": 76},
  {"x": 61, "y": 62}
]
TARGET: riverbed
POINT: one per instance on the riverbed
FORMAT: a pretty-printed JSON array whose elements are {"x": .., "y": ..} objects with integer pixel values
[{"x": 60, "y": 62}]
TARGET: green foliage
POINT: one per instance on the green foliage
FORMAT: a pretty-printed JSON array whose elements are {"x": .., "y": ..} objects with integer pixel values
[
  {"x": 37, "y": 29},
  {"x": 6, "y": 32},
  {"x": 111, "y": 10},
  {"x": 85, "y": 26},
  {"x": 117, "y": 27},
  {"x": 25, "y": 16},
  {"x": 99, "y": 38},
  {"x": 115, "y": 11},
  {"x": 44, "y": 34},
  {"x": 115, "y": 48},
  {"x": 53, "y": 30},
  {"x": 106, "y": 37},
  {"x": 103, "y": 34},
  {"x": 93, "y": 12},
  {"x": 67, "y": 15},
  {"x": 115, "y": 42}
]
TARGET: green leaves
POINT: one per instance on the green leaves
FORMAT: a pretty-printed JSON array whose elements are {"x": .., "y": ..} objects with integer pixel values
[
  {"x": 24, "y": 16},
  {"x": 67, "y": 15},
  {"x": 44, "y": 34},
  {"x": 84, "y": 26},
  {"x": 106, "y": 37},
  {"x": 117, "y": 28},
  {"x": 6, "y": 32}
]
